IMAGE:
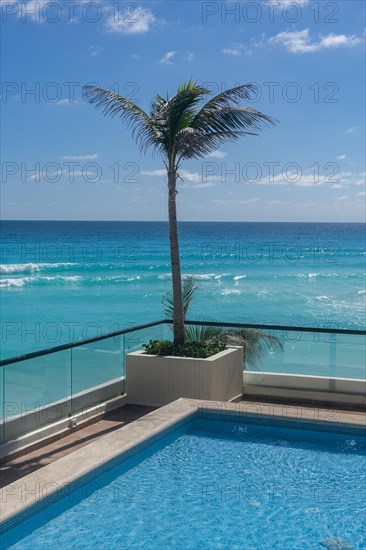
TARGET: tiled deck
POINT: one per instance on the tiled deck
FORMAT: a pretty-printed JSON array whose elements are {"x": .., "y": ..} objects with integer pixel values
[{"x": 17, "y": 468}]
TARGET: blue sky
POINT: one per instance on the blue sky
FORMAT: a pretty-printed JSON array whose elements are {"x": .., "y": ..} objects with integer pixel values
[{"x": 62, "y": 160}]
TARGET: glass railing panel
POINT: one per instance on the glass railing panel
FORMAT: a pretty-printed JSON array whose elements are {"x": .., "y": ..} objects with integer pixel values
[
  {"x": 97, "y": 363},
  {"x": 135, "y": 340},
  {"x": 314, "y": 354},
  {"x": 32, "y": 385},
  {"x": 296, "y": 352},
  {"x": 349, "y": 355}
]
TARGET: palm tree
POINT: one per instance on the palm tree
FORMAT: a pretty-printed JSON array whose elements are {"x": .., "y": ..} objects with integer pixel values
[{"x": 180, "y": 128}]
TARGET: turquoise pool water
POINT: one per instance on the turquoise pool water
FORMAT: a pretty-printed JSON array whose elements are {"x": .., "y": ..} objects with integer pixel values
[{"x": 218, "y": 485}]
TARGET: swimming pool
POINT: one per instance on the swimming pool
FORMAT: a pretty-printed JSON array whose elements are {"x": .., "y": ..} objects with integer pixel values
[{"x": 216, "y": 482}]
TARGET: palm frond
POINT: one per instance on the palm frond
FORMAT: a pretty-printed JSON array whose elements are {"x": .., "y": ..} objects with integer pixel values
[
  {"x": 195, "y": 143},
  {"x": 112, "y": 104},
  {"x": 188, "y": 290},
  {"x": 255, "y": 342},
  {"x": 228, "y": 98},
  {"x": 222, "y": 113},
  {"x": 156, "y": 105},
  {"x": 232, "y": 118},
  {"x": 202, "y": 333},
  {"x": 180, "y": 110}
]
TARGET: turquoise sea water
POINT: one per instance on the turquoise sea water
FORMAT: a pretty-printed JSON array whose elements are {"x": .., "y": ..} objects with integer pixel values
[
  {"x": 216, "y": 485},
  {"x": 61, "y": 281}
]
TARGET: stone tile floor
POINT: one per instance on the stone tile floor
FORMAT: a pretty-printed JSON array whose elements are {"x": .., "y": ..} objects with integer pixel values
[{"x": 23, "y": 465}]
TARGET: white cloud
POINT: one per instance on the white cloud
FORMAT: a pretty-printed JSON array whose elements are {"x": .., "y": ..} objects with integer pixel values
[
  {"x": 235, "y": 49},
  {"x": 361, "y": 194},
  {"x": 334, "y": 40},
  {"x": 279, "y": 203},
  {"x": 217, "y": 155},
  {"x": 339, "y": 180},
  {"x": 196, "y": 180},
  {"x": 220, "y": 202},
  {"x": 167, "y": 58},
  {"x": 301, "y": 42},
  {"x": 193, "y": 177},
  {"x": 341, "y": 198},
  {"x": 190, "y": 56},
  {"x": 193, "y": 180},
  {"x": 362, "y": 179},
  {"x": 281, "y": 4},
  {"x": 154, "y": 173},
  {"x": 70, "y": 174},
  {"x": 66, "y": 102},
  {"x": 351, "y": 130},
  {"x": 94, "y": 156},
  {"x": 248, "y": 201},
  {"x": 33, "y": 10},
  {"x": 342, "y": 157},
  {"x": 200, "y": 185},
  {"x": 95, "y": 50},
  {"x": 137, "y": 22}
]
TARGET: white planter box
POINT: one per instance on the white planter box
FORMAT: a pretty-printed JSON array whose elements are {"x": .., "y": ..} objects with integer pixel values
[{"x": 157, "y": 380}]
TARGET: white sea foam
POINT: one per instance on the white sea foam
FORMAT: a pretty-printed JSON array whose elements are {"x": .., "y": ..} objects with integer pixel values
[
  {"x": 203, "y": 276},
  {"x": 228, "y": 291},
  {"x": 164, "y": 276},
  {"x": 18, "y": 282},
  {"x": 323, "y": 298},
  {"x": 21, "y": 281},
  {"x": 29, "y": 267},
  {"x": 70, "y": 279},
  {"x": 199, "y": 276},
  {"x": 239, "y": 277}
]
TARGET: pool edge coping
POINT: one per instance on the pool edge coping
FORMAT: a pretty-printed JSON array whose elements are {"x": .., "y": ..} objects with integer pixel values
[{"x": 20, "y": 497}]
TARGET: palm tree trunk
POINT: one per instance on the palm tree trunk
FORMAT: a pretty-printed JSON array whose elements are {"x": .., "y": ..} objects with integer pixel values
[{"x": 178, "y": 318}]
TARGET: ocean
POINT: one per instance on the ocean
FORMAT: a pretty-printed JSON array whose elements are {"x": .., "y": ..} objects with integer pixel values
[{"x": 61, "y": 281}]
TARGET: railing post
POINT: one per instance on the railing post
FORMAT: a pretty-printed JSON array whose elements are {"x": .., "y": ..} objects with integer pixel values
[
  {"x": 2, "y": 435},
  {"x": 332, "y": 356},
  {"x": 123, "y": 352},
  {"x": 71, "y": 411}
]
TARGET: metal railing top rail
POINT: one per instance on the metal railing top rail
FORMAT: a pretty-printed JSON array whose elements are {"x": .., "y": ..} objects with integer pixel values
[
  {"x": 77, "y": 343},
  {"x": 293, "y": 328}
]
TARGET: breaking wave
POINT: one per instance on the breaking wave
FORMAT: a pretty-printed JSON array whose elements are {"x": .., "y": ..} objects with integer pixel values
[
  {"x": 19, "y": 282},
  {"x": 31, "y": 267}
]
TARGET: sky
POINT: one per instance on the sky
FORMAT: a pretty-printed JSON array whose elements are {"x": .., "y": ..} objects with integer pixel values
[{"x": 62, "y": 160}]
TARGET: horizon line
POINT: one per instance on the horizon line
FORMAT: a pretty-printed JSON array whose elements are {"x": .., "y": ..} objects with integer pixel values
[{"x": 181, "y": 221}]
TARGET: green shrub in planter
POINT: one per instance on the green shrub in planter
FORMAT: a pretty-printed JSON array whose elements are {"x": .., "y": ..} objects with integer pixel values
[{"x": 200, "y": 350}]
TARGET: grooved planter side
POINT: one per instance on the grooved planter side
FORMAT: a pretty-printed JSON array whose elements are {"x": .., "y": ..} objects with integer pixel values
[{"x": 157, "y": 380}]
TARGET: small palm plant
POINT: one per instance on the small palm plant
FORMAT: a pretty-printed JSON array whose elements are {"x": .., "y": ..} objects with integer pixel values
[
  {"x": 180, "y": 128},
  {"x": 256, "y": 343}
]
